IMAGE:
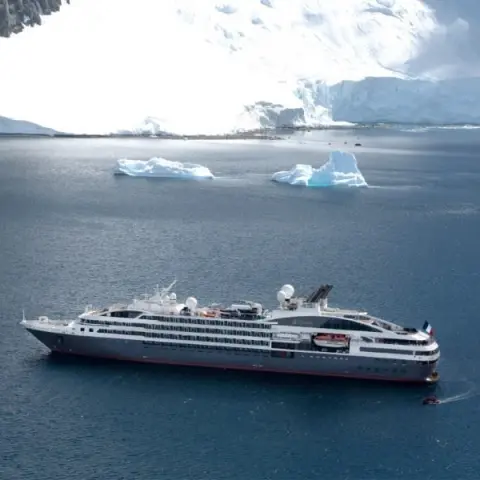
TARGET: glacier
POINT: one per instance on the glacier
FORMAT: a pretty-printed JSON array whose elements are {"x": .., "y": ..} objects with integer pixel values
[
  {"x": 205, "y": 68},
  {"x": 394, "y": 100},
  {"x": 162, "y": 168},
  {"x": 341, "y": 169}
]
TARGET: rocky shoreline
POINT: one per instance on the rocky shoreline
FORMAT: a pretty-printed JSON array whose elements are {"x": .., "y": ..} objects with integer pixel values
[
  {"x": 260, "y": 134},
  {"x": 15, "y": 15},
  {"x": 231, "y": 136}
]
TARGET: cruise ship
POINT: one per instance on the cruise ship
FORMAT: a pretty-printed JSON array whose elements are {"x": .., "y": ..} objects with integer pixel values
[{"x": 301, "y": 335}]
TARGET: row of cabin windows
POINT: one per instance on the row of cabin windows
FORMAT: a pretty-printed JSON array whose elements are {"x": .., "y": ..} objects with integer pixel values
[
  {"x": 225, "y": 349},
  {"x": 122, "y": 314},
  {"x": 382, "y": 370},
  {"x": 386, "y": 350},
  {"x": 242, "y": 333},
  {"x": 399, "y": 352},
  {"x": 207, "y": 321},
  {"x": 394, "y": 341},
  {"x": 331, "y": 323},
  {"x": 431, "y": 352},
  {"x": 358, "y": 317},
  {"x": 134, "y": 314},
  {"x": 337, "y": 324},
  {"x": 392, "y": 361},
  {"x": 319, "y": 357},
  {"x": 395, "y": 361},
  {"x": 151, "y": 326},
  {"x": 242, "y": 341},
  {"x": 285, "y": 345},
  {"x": 186, "y": 320}
]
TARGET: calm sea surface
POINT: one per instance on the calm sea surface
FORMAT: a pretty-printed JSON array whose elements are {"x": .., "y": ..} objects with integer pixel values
[{"x": 72, "y": 233}]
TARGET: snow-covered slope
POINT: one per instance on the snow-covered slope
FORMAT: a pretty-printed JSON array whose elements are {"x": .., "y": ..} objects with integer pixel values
[{"x": 207, "y": 66}]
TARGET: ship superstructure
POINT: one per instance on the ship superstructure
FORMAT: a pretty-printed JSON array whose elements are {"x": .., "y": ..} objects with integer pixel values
[{"x": 300, "y": 335}]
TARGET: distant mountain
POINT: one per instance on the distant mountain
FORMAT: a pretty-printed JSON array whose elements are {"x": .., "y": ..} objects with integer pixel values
[
  {"x": 19, "y": 127},
  {"x": 222, "y": 66},
  {"x": 17, "y": 14}
]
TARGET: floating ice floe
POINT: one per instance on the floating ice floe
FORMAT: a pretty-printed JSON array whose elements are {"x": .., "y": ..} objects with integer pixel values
[
  {"x": 340, "y": 170},
  {"x": 162, "y": 168}
]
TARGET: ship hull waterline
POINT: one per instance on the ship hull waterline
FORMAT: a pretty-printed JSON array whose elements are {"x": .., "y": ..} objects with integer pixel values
[{"x": 327, "y": 365}]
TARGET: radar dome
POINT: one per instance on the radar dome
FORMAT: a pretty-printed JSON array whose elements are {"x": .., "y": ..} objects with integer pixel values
[
  {"x": 173, "y": 296},
  {"x": 288, "y": 290},
  {"x": 191, "y": 303},
  {"x": 281, "y": 296}
]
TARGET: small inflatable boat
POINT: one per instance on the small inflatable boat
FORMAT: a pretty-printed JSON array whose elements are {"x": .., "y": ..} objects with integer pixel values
[{"x": 431, "y": 400}]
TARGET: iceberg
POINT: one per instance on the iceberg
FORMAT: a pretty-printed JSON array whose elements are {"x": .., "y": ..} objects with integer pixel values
[
  {"x": 340, "y": 170},
  {"x": 162, "y": 168}
]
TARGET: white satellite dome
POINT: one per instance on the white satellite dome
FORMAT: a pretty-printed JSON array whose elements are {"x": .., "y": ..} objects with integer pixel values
[
  {"x": 281, "y": 296},
  {"x": 288, "y": 290},
  {"x": 191, "y": 303}
]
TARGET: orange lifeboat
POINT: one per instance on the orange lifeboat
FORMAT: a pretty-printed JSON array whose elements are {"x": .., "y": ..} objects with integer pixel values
[{"x": 331, "y": 340}]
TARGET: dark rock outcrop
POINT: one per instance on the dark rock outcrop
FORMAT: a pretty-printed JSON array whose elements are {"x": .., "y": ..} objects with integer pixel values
[{"x": 15, "y": 15}]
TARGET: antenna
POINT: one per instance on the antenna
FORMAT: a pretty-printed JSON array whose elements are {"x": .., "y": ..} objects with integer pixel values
[
  {"x": 161, "y": 292},
  {"x": 171, "y": 285},
  {"x": 23, "y": 315},
  {"x": 167, "y": 289}
]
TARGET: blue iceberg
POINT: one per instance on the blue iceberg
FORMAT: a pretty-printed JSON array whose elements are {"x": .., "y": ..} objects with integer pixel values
[
  {"x": 340, "y": 170},
  {"x": 162, "y": 168}
]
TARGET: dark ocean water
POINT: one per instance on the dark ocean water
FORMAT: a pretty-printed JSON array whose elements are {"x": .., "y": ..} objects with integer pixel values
[{"x": 71, "y": 233}]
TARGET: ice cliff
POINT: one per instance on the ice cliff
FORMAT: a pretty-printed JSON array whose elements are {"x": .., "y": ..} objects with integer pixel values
[
  {"x": 394, "y": 100},
  {"x": 209, "y": 67}
]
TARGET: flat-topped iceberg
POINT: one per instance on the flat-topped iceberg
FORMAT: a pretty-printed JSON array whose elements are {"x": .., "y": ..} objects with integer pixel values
[
  {"x": 340, "y": 170},
  {"x": 162, "y": 168}
]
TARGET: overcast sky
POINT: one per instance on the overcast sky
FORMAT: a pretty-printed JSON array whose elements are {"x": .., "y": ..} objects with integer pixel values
[{"x": 455, "y": 49}]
